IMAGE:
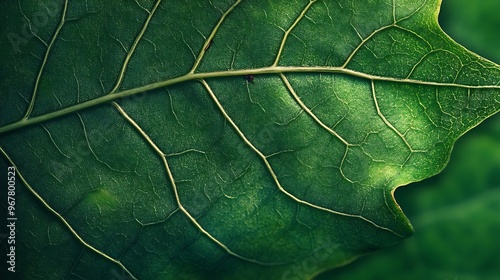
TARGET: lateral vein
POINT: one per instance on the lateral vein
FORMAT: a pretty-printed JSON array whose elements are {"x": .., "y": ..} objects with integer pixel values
[
  {"x": 44, "y": 62},
  {"x": 62, "y": 219},
  {"x": 172, "y": 180},
  {"x": 264, "y": 158},
  {"x": 134, "y": 46}
]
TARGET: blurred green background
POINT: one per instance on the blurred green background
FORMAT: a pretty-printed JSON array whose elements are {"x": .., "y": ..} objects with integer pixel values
[{"x": 456, "y": 214}]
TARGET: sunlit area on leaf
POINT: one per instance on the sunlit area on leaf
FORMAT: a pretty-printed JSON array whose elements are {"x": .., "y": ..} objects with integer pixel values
[{"x": 455, "y": 214}]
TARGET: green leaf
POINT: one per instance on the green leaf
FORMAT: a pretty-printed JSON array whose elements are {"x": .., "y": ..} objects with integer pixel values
[
  {"x": 455, "y": 214},
  {"x": 256, "y": 139}
]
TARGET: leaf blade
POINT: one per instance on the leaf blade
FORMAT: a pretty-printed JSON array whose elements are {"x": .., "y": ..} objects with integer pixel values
[{"x": 295, "y": 166}]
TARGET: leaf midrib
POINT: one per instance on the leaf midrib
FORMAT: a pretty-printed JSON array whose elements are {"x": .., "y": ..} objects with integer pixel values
[{"x": 24, "y": 122}]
